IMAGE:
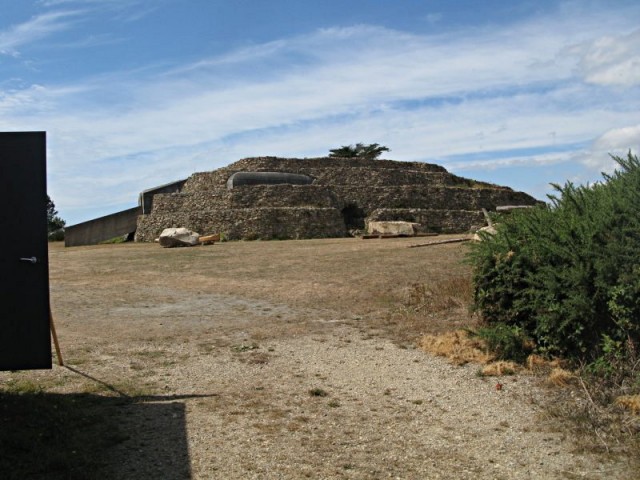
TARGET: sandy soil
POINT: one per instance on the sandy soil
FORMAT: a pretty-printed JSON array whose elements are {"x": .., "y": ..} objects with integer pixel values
[{"x": 286, "y": 360}]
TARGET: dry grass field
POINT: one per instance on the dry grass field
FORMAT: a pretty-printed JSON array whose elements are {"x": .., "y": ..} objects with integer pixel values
[{"x": 281, "y": 359}]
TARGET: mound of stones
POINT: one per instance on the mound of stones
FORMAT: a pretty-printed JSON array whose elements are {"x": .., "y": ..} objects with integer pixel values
[{"x": 291, "y": 198}]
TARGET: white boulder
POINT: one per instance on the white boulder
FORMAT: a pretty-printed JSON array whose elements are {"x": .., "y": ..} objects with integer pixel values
[{"x": 178, "y": 237}]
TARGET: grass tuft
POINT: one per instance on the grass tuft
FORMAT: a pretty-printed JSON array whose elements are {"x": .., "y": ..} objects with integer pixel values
[
  {"x": 450, "y": 293},
  {"x": 629, "y": 402},
  {"x": 500, "y": 368},
  {"x": 561, "y": 377},
  {"x": 457, "y": 346}
]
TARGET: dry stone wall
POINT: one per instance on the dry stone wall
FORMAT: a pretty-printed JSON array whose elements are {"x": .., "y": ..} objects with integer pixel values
[
  {"x": 345, "y": 193},
  {"x": 438, "y": 221}
]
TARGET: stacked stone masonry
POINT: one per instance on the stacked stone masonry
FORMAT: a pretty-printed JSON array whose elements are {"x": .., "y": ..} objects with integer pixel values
[{"x": 346, "y": 194}]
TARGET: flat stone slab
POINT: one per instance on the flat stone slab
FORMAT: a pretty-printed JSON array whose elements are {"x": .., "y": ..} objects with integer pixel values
[{"x": 393, "y": 228}]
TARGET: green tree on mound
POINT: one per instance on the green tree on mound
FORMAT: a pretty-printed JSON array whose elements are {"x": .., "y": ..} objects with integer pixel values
[
  {"x": 567, "y": 275},
  {"x": 360, "y": 150},
  {"x": 53, "y": 220}
]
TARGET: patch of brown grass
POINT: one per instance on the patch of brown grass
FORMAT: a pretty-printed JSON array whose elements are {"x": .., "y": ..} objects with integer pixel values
[
  {"x": 456, "y": 346},
  {"x": 449, "y": 293},
  {"x": 461, "y": 348},
  {"x": 554, "y": 369},
  {"x": 629, "y": 402},
  {"x": 439, "y": 306},
  {"x": 538, "y": 363},
  {"x": 502, "y": 367},
  {"x": 561, "y": 377},
  {"x": 596, "y": 427}
]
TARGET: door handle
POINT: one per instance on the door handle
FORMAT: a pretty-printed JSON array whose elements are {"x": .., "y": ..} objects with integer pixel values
[{"x": 29, "y": 259}]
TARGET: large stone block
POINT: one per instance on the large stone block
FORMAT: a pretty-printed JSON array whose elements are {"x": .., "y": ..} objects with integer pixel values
[{"x": 408, "y": 229}]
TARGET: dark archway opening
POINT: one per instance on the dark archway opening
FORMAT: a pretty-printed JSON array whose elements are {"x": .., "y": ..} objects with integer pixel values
[{"x": 353, "y": 217}]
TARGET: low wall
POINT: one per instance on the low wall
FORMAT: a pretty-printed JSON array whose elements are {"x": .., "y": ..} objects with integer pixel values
[
  {"x": 430, "y": 220},
  {"x": 262, "y": 223},
  {"x": 103, "y": 228},
  {"x": 328, "y": 171}
]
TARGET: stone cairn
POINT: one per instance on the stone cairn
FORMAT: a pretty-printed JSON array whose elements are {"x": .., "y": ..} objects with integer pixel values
[{"x": 341, "y": 196}]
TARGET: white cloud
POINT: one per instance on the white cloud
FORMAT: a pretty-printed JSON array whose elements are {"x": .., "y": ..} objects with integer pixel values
[
  {"x": 429, "y": 98},
  {"x": 513, "y": 161},
  {"x": 35, "y": 29},
  {"x": 616, "y": 142},
  {"x": 123, "y": 10},
  {"x": 110, "y": 3},
  {"x": 610, "y": 60}
]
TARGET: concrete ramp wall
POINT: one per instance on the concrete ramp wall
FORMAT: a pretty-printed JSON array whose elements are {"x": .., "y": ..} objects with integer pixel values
[
  {"x": 146, "y": 198},
  {"x": 103, "y": 228}
]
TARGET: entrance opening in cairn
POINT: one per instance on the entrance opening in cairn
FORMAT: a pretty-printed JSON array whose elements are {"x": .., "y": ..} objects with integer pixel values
[{"x": 353, "y": 217}]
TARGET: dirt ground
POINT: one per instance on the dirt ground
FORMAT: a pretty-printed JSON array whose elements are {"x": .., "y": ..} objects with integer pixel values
[{"x": 289, "y": 360}]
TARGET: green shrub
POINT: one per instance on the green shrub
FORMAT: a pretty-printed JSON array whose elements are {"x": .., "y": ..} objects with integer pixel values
[
  {"x": 507, "y": 342},
  {"x": 567, "y": 273},
  {"x": 56, "y": 235}
]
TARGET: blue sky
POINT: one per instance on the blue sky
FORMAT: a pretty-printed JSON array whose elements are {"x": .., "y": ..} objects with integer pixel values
[{"x": 137, "y": 93}]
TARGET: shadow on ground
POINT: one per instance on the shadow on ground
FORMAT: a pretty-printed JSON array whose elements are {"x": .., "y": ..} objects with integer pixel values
[{"x": 88, "y": 436}]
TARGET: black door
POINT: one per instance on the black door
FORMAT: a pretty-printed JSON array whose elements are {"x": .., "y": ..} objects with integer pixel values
[{"x": 24, "y": 263}]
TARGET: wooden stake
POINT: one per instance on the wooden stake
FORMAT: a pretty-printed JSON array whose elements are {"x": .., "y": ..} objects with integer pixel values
[
  {"x": 441, "y": 242},
  {"x": 55, "y": 340}
]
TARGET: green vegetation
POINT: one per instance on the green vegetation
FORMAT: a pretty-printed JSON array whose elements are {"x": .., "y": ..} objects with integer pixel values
[
  {"x": 55, "y": 224},
  {"x": 115, "y": 240},
  {"x": 360, "y": 150},
  {"x": 567, "y": 275},
  {"x": 507, "y": 342}
]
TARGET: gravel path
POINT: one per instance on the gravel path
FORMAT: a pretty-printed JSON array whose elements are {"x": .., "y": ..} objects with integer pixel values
[{"x": 340, "y": 402}]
